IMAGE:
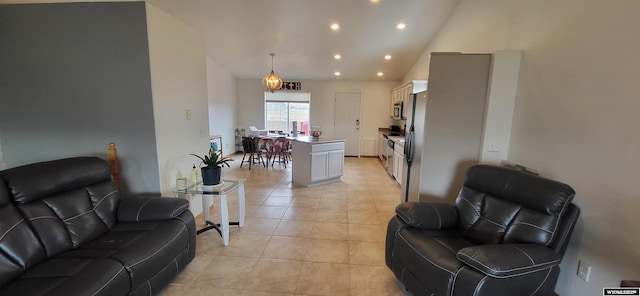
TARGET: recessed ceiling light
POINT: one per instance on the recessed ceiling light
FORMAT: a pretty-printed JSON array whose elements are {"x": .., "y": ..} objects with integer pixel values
[
  {"x": 380, "y": 74},
  {"x": 335, "y": 26},
  {"x": 375, "y": 1},
  {"x": 387, "y": 57},
  {"x": 401, "y": 26},
  {"x": 336, "y": 73},
  {"x": 337, "y": 57}
]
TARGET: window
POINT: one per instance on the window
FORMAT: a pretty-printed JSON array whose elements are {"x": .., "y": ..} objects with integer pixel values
[{"x": 282, "y": 109}]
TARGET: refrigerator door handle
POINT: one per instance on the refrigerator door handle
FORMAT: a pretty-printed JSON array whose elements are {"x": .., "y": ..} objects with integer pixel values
[{"x": 408, "y": 147}]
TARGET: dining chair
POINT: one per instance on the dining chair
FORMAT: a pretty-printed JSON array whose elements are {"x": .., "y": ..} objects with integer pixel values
[
  {"x": 268, "y": 148},
  {"x": 281, "y": 150},
  {"x": 250, "y": 147}
]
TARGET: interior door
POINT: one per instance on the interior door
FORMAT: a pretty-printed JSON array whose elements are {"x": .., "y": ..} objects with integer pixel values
[{"x": 347, "y": 121}]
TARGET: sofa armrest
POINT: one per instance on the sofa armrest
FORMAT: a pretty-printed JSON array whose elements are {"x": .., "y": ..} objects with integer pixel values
[
  {"x": 150, "y": 208},
  {"x": 428, "y": 215},
  {"x": 509, "y": 260}
]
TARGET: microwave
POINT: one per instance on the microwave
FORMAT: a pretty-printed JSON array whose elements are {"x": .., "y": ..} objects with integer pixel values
[{"x": 397, "y": 110}]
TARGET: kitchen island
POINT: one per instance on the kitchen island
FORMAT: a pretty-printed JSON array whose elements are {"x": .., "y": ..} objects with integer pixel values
[{"x": 317, "y": 161}]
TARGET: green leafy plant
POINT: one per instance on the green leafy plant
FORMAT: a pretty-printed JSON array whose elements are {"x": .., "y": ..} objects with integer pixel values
[{"x": 214, "y": 159}]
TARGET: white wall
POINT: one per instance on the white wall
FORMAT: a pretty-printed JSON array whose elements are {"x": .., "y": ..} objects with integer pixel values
[
  {"x": 575, "y": 117},
  {"x": 222, "y": 105},
  {"x": 501, "y": 99},
  {"x": 178, "y": 83},
  {"x": 375, "y": 104}
]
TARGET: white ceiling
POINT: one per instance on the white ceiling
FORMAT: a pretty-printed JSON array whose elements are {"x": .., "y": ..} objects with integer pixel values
[{"x": 240, "y": 34}]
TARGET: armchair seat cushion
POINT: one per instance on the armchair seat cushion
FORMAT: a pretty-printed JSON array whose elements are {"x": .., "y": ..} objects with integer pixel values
[
  {"x": 430, "y": 252},
  {"x": 503, "y": 261}
]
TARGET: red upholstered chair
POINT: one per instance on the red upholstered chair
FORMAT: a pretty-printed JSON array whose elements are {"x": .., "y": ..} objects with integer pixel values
[{"x": 279, "y": 149}]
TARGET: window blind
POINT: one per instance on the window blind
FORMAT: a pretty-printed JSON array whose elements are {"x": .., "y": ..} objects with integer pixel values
[{"x": 291, "y": 97}]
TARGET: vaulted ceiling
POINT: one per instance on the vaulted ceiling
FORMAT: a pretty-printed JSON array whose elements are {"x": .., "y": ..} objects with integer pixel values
[{"x": 240, "y": 35}]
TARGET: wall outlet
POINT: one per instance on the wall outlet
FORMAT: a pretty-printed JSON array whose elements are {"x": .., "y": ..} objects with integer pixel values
[
  {"x": 584, "y": 270},
  {"x": 495, "y": 147}
]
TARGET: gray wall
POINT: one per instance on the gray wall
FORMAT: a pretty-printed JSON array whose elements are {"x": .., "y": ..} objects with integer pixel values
[{"x": 74, "y": 77}]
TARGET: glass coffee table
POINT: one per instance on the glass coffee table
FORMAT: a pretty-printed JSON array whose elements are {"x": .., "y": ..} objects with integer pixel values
[{"x": 227, "y": 185}]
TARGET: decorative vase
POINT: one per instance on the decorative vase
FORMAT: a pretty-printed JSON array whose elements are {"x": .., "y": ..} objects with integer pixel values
[{"x": 211, "y": 176}]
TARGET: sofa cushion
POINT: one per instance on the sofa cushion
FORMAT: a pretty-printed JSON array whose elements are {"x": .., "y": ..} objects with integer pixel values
[
  {"x": 142, "y": 247},
  {"x": 35, "y": 181},
  {"x": 19, "y": 246},
  {"x": 71, "y": 276},
  {"x": 151, "y": 208},
  {"x": 67, "y": 202}
]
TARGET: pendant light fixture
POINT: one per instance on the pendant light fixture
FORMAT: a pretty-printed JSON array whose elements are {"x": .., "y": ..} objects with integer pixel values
[{"x": 272, "y": 82}]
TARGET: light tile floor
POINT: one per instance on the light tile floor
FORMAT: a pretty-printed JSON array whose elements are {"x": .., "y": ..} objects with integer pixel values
[{"x": 325, "y": 240}]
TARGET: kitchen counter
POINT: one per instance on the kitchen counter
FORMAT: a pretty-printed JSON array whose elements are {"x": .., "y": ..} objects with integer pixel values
[
  {"x": 320, "y": 140},
  {"x": 317, "y": 161},
  {"x": 397, "y": 139}
]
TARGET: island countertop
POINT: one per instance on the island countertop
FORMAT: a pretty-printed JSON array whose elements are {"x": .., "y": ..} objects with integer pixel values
[{"x": 320, "y": 140}]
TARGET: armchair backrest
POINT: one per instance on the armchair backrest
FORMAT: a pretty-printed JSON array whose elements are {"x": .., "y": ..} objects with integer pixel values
[{"x": 504, "y": 205}]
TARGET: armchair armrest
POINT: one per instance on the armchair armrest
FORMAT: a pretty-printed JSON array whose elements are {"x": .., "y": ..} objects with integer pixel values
[
  {"x": 150, "y": 208},
  {"x": 428, "y": 215},
  {"x": 509, "y": 260}
]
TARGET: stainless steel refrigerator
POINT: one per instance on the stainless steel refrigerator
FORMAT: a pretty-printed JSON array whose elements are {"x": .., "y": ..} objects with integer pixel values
[{"x": 443, "y": 133}]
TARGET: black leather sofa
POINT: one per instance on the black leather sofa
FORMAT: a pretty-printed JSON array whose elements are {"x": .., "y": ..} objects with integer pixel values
[
  {"x": 505, "y": 235},
  {"x": 66, "y": 230}
]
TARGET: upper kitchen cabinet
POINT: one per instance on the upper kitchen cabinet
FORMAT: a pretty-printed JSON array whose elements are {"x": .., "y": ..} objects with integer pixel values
[{"x": 401, "y": 94}]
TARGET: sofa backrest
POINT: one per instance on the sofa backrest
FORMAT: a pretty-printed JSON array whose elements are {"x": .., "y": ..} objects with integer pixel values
[
  {"x": 505, "y": 205},
  {"x": 66, "y": 202},
  {"x": 19, "y": 246}
]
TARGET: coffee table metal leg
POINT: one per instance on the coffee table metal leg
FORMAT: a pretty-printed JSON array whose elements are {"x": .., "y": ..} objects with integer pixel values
[{"x": 208, "y": 225}]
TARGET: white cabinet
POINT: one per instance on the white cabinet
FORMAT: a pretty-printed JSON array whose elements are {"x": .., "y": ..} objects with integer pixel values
[
  {"x": 317, "y": 162},
  {"x": 319, "y": 166},
  {"x": 398, "y": 162},
  {"x": 326, "y": 165},
  {"x": 336, "y": 164},
  {"x": 381, "y": 143},
  {"x": 401, "y": 94}
]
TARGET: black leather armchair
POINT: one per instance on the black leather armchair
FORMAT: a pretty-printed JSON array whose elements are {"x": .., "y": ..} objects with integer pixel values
[{"x": 505, "y": 235}]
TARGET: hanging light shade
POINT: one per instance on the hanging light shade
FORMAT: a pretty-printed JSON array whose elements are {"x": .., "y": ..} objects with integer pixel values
[{"x": 272, "y": 82}]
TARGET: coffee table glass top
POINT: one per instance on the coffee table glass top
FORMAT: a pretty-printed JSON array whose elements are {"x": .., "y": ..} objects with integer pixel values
[{"x": 227, "y": 185}]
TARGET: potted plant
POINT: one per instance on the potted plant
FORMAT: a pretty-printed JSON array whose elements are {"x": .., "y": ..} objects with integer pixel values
[{"x": 212, "y": 168}]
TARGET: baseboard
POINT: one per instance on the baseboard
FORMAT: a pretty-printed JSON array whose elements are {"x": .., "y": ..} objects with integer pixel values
[{"x": 554, "y": 294}]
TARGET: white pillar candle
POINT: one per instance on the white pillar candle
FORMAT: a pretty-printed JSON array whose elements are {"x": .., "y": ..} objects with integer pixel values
[{"x": 181, "y": 183}]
